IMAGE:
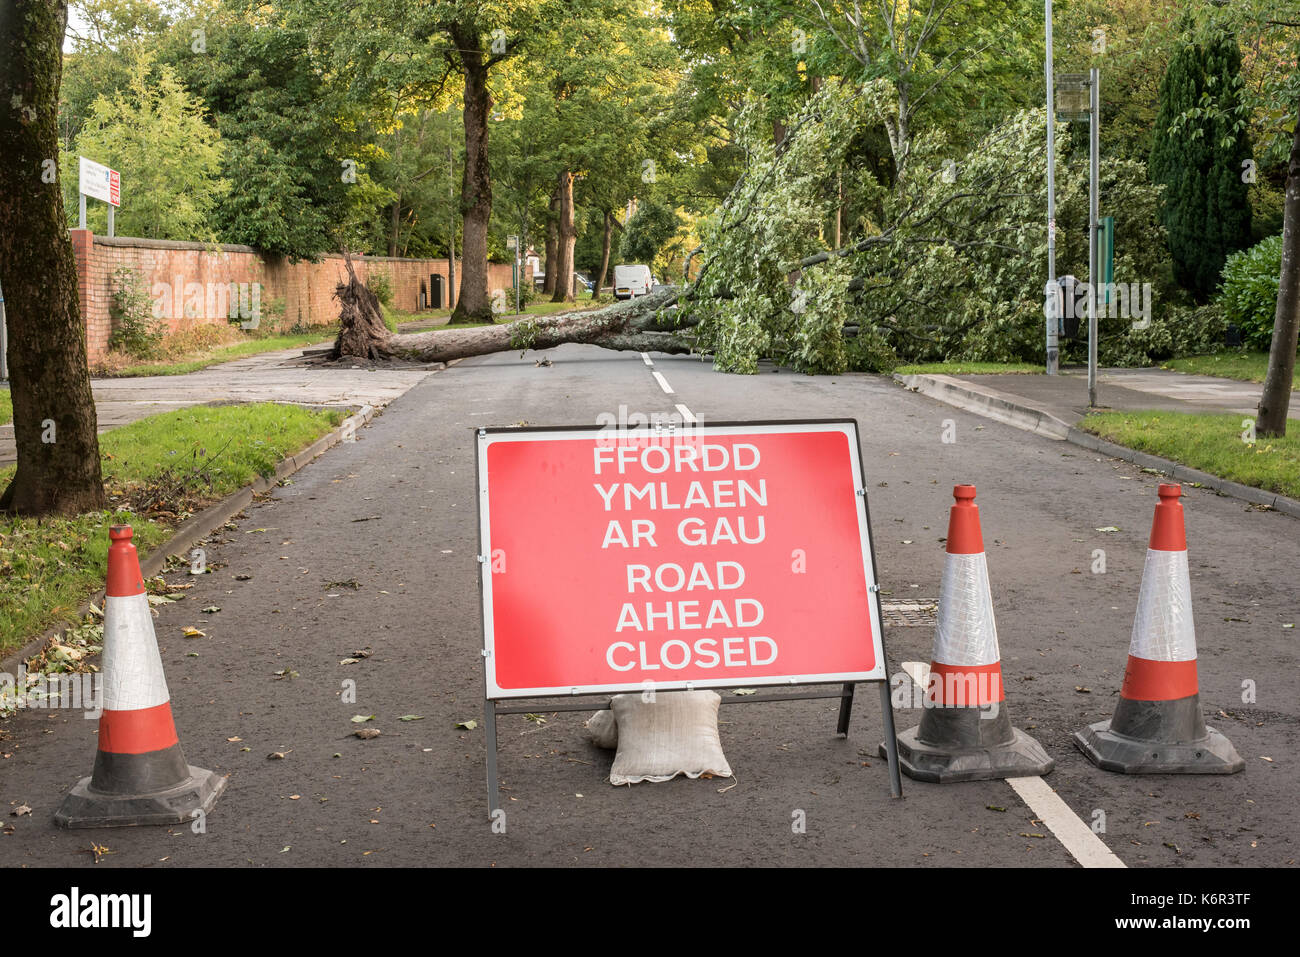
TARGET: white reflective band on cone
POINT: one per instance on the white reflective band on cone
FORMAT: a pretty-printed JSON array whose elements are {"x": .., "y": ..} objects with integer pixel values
[
  {"x": 133, "y": 671},
  {"x": 966, "y": 633},
  {"x": 1163, "y": 629}
]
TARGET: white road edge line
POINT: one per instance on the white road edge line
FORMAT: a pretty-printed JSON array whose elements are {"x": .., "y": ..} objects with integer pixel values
[
  {"x": 663, "y": 383},
  {"x": 687, "y": 415},
  {"x": 645, "y": 357},
  {"x": 1075, "y": 835}
]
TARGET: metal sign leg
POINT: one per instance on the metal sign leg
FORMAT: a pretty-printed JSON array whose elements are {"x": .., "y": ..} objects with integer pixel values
[
  {"x": 846, "y": 709},
  {"x": 490, "y": 727},
  {"x": 891, "y": 741}
]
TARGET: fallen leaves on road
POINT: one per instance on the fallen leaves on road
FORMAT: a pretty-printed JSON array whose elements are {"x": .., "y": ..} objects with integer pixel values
[
  {"x": 467, "y": 725},
  {"x": 192, "y": 633},
  {"x": 362, "y": 718},
  {"x": 411, "y": 717},
  {"x": 20, "y": 810},
  {"x": 278, "y": 755},
  {"x": 365, "y": 734}
]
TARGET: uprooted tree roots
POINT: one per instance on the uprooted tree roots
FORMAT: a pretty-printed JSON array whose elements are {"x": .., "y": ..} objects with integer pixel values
[{"x": 362, "y": 333}]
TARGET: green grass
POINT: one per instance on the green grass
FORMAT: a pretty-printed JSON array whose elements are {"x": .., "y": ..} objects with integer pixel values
[
  {"x": 1211, "y": 443},
  {"x": 238, "y": 442},
  {"x": 968, "y": 368},
  {"x": 239, "y": 350},
  {"x": 1247, "y": 366},
  {"x": 6, "y": 407},
  {"x": 193, "y": 456}
]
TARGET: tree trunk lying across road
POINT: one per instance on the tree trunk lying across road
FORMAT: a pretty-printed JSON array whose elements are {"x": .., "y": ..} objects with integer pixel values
[{"x": 633, "y": 325}]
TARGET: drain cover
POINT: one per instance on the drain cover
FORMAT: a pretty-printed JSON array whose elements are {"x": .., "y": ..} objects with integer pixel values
[{"x": 909, "y": 614}]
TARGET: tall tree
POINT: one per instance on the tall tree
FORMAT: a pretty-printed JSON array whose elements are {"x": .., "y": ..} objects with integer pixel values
[
  {"x": 155, "y": 134},
  {"x": 1199, "y": 159},
  {"x": 1270, "y": 103},
  {"x": 54, "y": 411}
]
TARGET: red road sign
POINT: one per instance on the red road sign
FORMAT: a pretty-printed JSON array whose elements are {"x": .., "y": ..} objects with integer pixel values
[
  {"x": 115, "y": 187},
  {"x": 711, "y": 556}
]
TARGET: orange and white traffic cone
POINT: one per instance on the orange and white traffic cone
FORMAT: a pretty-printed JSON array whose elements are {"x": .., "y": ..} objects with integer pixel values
[
  {"x": 140, "y": 775},
  {"x": 1158, "y": 727},
  {"x": 965, "y": 733}
]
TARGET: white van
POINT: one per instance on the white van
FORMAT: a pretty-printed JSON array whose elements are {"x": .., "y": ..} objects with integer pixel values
[{"x": 632, "y": 281}]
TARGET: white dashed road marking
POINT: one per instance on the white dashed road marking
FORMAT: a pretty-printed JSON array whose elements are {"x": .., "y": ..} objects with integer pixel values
[
  {"x": 645, "y": 357},
  {"x": 1084, "y": 845},
  {"x": 687, "y": 415},
  {"x": 663, "y": 383}
]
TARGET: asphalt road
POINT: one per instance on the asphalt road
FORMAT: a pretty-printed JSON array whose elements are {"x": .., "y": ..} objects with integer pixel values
[{"x": 395, "y": 512}]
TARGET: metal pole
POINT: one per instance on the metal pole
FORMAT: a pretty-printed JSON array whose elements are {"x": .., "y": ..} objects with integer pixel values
[
  {"x": 1053, "y": 292},
  {"x": 81, "y": 211},
  {"x": 891, "y": 741},
  {"x": 1094, "y": 171},
  {"x": 111, "y": 210}
]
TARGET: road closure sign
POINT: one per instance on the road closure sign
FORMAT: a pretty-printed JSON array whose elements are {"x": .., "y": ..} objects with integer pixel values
[
  {"x": 99, "y": 182},
  {"x": 709, "y": 556}
]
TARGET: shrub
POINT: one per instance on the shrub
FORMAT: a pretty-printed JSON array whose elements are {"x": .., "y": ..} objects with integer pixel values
[
  {"x": 382, "y": 286},
  {"x": 135, "y": 329},
  {"x": 1248, "y": 295}
]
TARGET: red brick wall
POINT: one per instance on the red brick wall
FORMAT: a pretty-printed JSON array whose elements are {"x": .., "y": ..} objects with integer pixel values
[{"x": 165, "y": 269}]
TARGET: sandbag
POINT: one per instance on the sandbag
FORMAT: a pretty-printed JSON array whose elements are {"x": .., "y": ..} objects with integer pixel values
[
  {"x": 603, "y": 729},
  {"x": 676, "y": 732}
]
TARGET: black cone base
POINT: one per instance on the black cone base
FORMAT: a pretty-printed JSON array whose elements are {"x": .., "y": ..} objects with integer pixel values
[
  {"x": 1111, "y": 751},
  {"x": 86, "y": 807},
  {"x": 966, "y": 744}
]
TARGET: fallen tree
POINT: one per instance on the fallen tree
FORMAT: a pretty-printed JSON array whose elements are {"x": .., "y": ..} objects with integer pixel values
[{"x": 634, "y": 325}]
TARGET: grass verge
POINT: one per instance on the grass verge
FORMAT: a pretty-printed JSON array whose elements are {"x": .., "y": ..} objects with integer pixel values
[
  {"x": 1211, "y": 443},
  {"x": 6, "y": 407},
  {"x": 1247, "y": 366},
  {"x": 193, "y": 362},
  {"x": 157, "y": 472},
  {"x": 968, "y": 368}
]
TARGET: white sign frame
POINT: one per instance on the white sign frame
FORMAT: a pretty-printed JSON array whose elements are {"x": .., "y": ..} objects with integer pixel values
[{"x": 848, "y": 427}]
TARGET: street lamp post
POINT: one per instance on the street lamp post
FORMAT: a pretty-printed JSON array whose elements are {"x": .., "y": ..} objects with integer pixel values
[
  {"x": 1052, "y": 292},
  {"x": 1094, "y": 223}
]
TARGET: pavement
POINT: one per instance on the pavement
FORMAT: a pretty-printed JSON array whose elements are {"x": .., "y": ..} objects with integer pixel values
[
  {"x": 269, "y": 377},
  {"x": 1064, "y": 397},
  {"x": 395, "y": 513}
]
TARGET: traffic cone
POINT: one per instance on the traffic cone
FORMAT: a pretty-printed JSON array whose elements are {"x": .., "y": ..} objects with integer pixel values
[
  {"x": 1158, "y": 727},
  {"x": 965, "y": 733},
  {"x": 140, "y": 775}
]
